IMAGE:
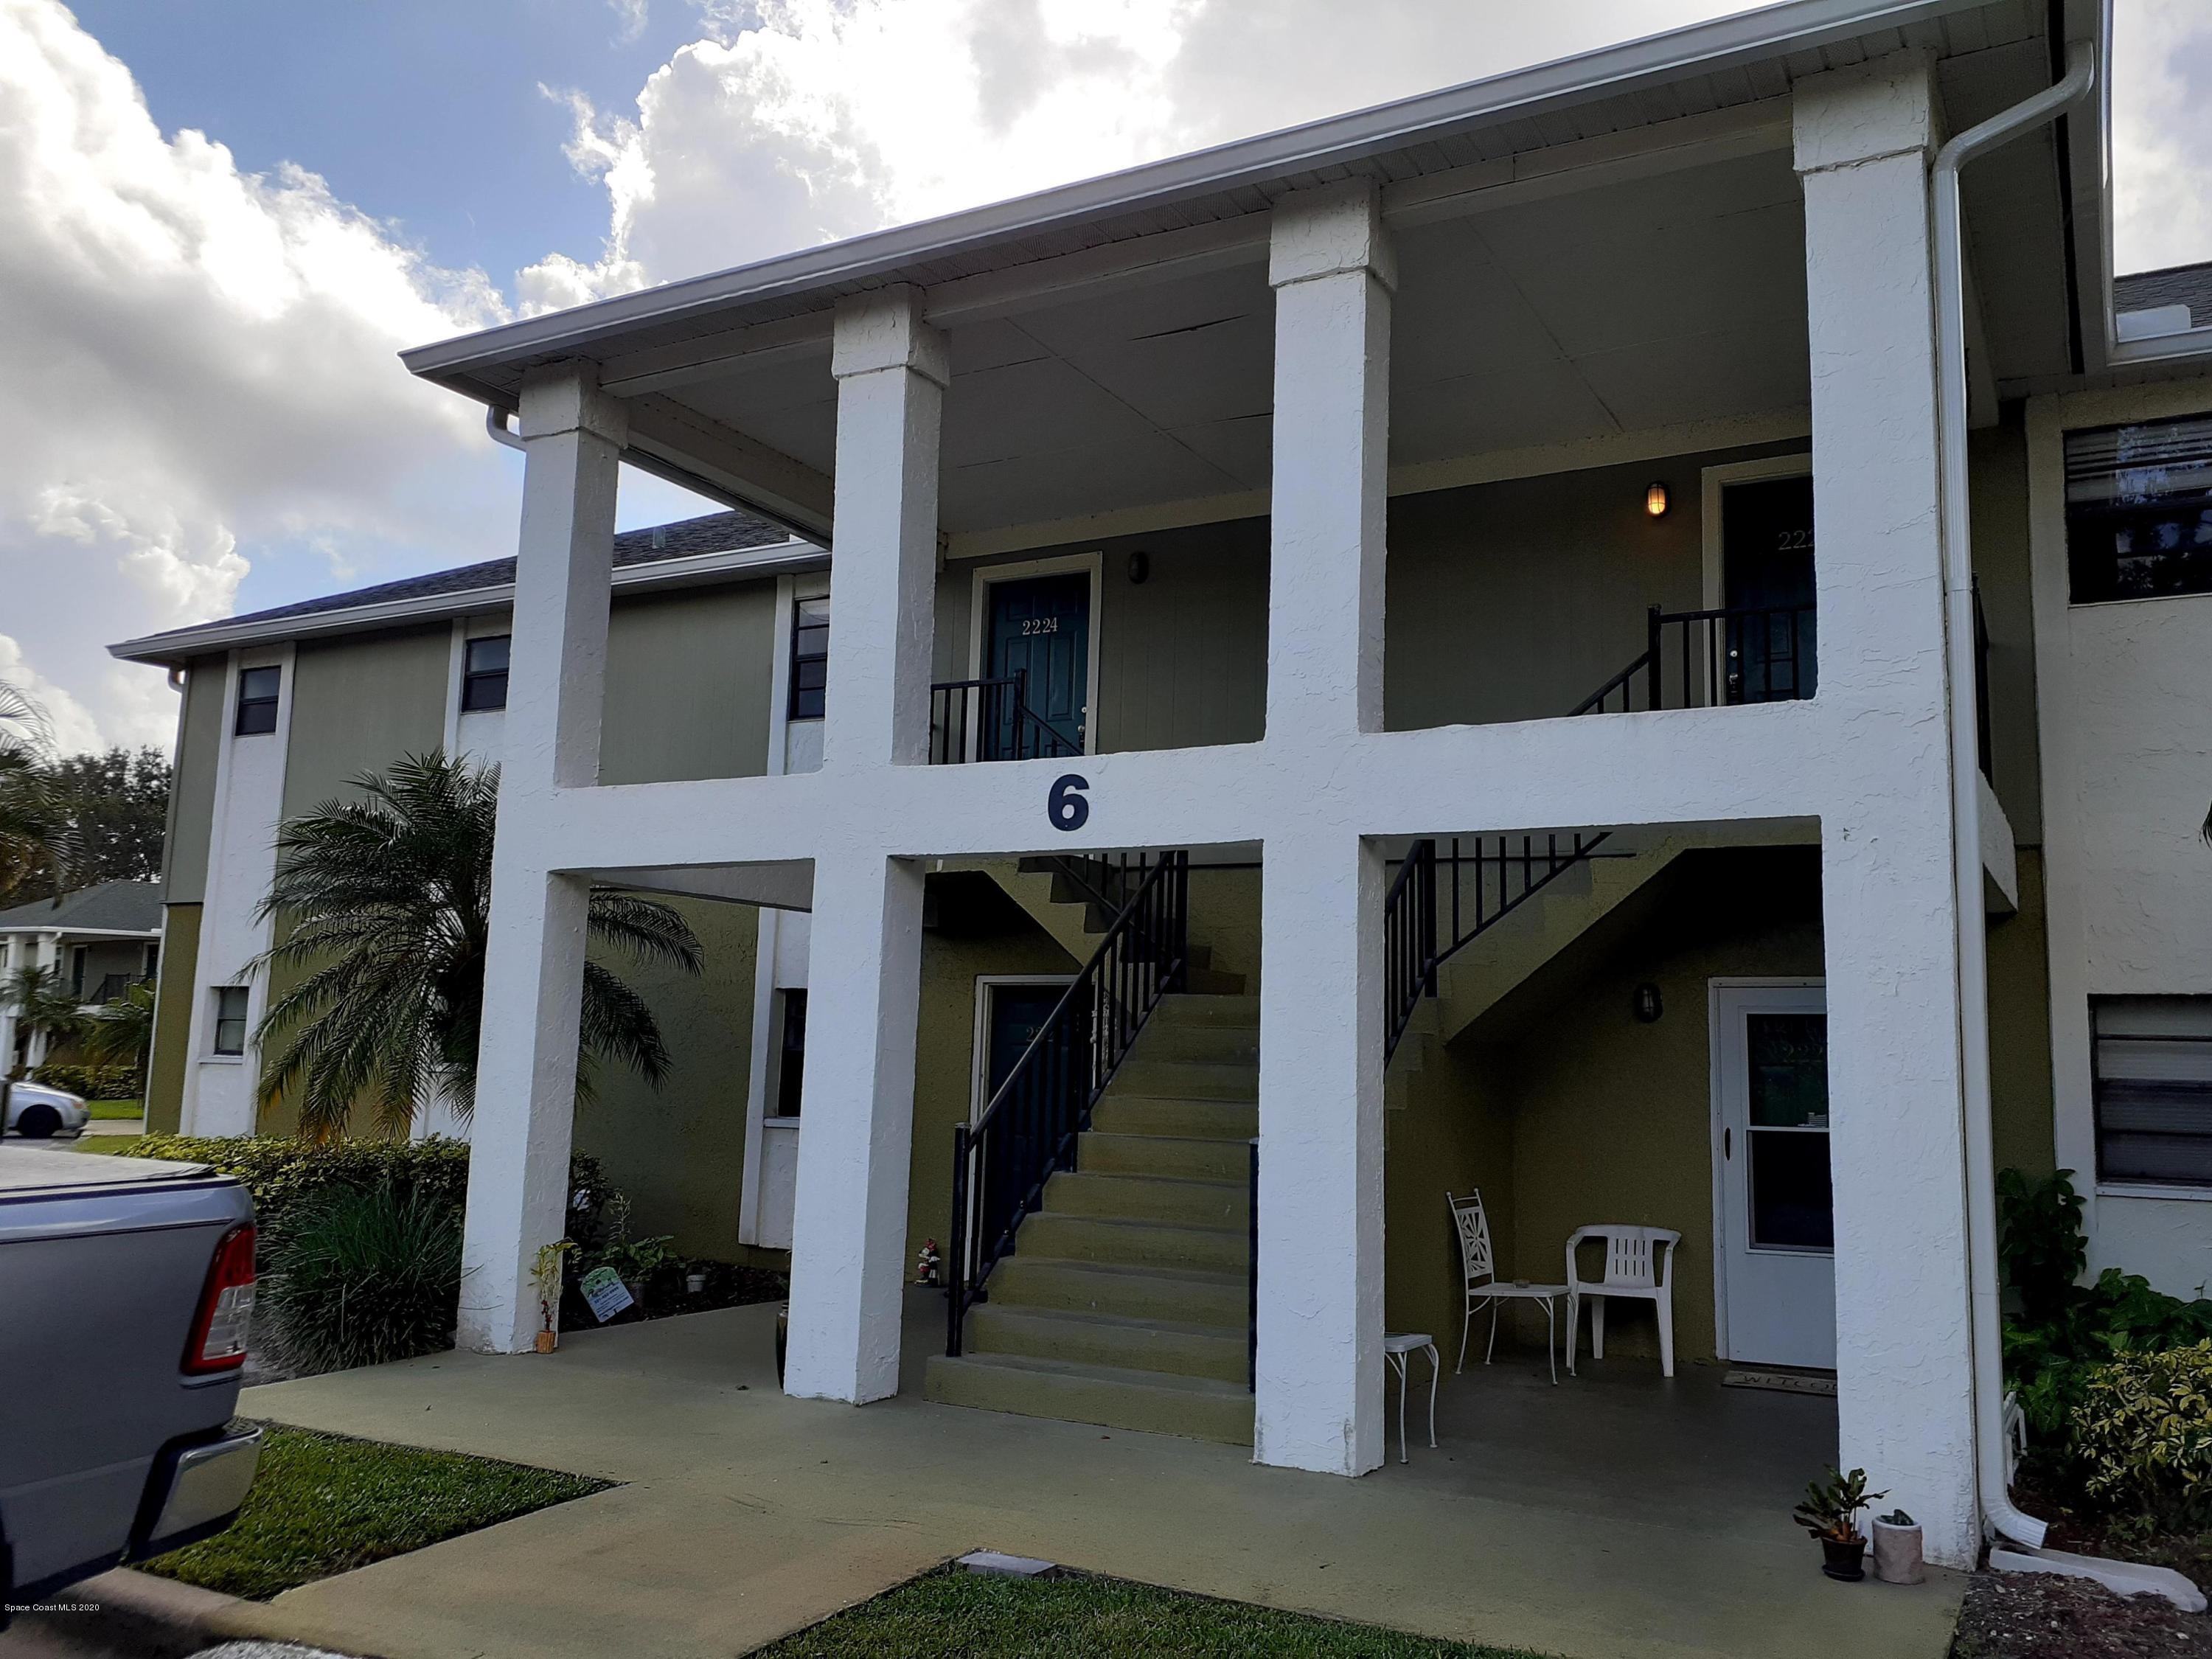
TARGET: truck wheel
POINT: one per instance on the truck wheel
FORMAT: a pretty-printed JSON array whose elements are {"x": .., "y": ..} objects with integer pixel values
[{"x": 38, "y": 1122}]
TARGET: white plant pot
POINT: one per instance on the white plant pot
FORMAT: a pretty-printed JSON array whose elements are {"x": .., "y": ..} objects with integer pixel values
[{"x": 1896, "y": 1557}]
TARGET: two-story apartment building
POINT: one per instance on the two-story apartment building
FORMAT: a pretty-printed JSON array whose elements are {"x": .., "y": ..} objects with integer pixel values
[{"x": 1628, "y": 636}]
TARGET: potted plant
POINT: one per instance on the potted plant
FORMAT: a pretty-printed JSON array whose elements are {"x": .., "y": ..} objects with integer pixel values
[
  {"x": 1829, "y": 1511},
  {"x": 546, "y": 1273}
]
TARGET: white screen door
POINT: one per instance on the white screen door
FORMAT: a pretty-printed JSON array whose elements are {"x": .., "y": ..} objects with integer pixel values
[{"x": 1778, "y": 1210}]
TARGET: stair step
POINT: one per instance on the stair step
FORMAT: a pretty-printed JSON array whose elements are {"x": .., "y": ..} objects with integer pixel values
[
  {"x": 1213, "y": 982},
  {"x": 1214, "y": 1045},
  {"x": 1188, "y": 1156},
  {"x": 1023, "y": 1280},
  {"x": 1198, "y": 1408},
  {"x": 1176, "y": 1201},
  {"x": 1105, "y": 1242},
  {"x": 1187, "y": 1080},
  {"x": 1134, "y": 1113},
  {"x": 1163, "y": 1347}
]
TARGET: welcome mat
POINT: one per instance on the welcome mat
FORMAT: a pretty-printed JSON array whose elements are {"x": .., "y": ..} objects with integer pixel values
[{"x": 1819, "y": 1382}]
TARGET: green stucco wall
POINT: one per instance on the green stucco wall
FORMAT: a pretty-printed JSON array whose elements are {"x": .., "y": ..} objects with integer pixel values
[
  {"x": 2022, "y": 1121},
  {"x": 358, "y": 705},
  {"x": 173, "y": 1015},
  {"x": 679, "y": 1152},
  {"x": 1997, "y": 489},
  {"x": 192, "y": 796},
  {"x": 687, "y": 687}
]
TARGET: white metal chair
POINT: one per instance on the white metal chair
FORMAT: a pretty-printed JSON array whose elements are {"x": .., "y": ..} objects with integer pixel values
[
  {"x": 1395, "y": 1348},
  {"x": 1634, "y": 1268},
  {"x": 1484, "y": 1288}
]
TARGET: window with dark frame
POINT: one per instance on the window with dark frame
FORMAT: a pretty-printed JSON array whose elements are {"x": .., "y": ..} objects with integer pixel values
[
  {"x": 2139, "y": 510},
  {"x": 809, "y": 657},
  {"x": 2154, "y": 1088},
  {"x": 483, "y": 674},
  {"x": 258, "y": 689},
  {"x": 791, "y": 1072},
  {"x": 229, "y": 1020}
]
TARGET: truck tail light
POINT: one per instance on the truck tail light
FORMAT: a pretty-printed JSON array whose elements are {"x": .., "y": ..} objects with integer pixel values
[{"x": 218, "y": 1338}]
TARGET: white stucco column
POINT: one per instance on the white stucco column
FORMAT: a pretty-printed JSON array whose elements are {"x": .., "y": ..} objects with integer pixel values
[
  {"x": 848, "y": 1225},
  {"x": 892, "y": 369},
  {"x": 47, "y": 953},
  {"x": 11, "y": 958},
  {"x": 533, "y": 975},
  {"x": 1865, "y": 140},
  {"x": 1319, "y": 1386}
]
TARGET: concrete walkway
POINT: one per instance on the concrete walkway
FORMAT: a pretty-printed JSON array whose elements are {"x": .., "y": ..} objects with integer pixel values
[{"x": 1617, "y": 1515}]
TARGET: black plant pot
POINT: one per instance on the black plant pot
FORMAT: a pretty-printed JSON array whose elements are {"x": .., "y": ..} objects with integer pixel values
[{"x": 1844, "y": 1561}]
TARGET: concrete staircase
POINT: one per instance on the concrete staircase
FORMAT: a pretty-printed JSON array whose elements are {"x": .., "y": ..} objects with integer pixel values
[{"x": 1126, "y": 1303}]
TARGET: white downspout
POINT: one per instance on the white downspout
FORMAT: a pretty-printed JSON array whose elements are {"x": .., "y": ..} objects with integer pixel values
[{"x": 1966, "y": 781}]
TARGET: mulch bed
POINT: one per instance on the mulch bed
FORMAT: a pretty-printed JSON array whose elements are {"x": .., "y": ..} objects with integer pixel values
[{"x": 2039, "y": 1615}]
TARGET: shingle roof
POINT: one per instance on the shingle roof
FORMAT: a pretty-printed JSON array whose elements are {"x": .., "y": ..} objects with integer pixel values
[
  {"x": 2176, "y": 285},
  {"x": 714, "y": 533},
  {"x": 111, "y": 907}
]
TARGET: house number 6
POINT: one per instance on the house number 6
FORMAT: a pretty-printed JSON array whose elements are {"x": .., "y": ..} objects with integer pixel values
[{"x": 1065, "y": 805}]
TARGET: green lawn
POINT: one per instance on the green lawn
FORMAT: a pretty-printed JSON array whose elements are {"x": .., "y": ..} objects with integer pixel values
[
  {"x": 322, "y": 1503},
  {"x": 112, "y": 1145},
  {"x": 116, "y": 1110},
  {"x": 979, "y": 1616}
]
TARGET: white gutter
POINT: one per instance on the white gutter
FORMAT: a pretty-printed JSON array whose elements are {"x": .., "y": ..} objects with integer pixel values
[{"x": 1966, "y": 783}]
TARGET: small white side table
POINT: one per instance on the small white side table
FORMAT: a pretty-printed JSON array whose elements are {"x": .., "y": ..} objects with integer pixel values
[{"x": 1394, "y": 1349}]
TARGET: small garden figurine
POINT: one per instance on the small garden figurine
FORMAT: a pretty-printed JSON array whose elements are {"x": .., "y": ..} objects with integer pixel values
[
  {"x": 1829, "y": 1511},
  {"x": 930, "y": 1269},
  {"x": 546, "y": 1273}
]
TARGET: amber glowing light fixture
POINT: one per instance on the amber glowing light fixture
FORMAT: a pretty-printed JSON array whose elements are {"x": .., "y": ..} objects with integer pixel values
[{"x": 1655, "y": 500}]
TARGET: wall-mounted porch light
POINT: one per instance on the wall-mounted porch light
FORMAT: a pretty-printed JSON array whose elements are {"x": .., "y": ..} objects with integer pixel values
[
  {"x": 1140, "y": 565},
  {"x": 1647, "y": 1006},
  {"x": 1654, "y": 499}
]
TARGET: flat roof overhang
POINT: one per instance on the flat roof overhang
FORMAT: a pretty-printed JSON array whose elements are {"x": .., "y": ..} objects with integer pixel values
[{"x": 1112, "y": 338}]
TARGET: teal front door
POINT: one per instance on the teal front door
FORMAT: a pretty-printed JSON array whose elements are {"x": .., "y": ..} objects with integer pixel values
[{"x": 1040, "y": 634}]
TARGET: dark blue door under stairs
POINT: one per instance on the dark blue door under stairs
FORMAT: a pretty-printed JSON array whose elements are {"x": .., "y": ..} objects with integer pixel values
[{"x": 1040, "y": 629}]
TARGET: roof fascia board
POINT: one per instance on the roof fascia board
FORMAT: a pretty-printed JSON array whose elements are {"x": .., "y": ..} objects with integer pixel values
[
  {"x": 1793, "y": 26},
  {"x": 66, "y": 931},
  {"x": 689, "y": 570}
]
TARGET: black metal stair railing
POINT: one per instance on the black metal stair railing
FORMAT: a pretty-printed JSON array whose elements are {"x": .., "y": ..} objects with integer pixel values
[
  {"x": 1442, "y": 901},
  {"x": 1030, "y": 1128},
  {"x": 1714, "y": 659},
  {"x": 991, "y": 720}
]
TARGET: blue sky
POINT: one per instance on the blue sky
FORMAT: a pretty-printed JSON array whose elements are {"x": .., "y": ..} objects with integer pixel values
[
  {"x": 225, "y": 218},
  {"x": 424, "y": 112}
]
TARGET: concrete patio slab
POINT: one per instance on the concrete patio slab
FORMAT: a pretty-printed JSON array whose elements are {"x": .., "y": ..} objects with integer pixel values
[{"x": 1617, "y": 1515}]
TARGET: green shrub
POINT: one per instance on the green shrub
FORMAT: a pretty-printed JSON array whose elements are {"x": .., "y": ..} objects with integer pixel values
[
  {"x": 359, "y": 1278},
  {"x": 2061, "y": 1331},
  {"x": 2142, "y": 1436},
  {"x": 282, "y": 1173},
  {"x": 93, "y": 1082}
]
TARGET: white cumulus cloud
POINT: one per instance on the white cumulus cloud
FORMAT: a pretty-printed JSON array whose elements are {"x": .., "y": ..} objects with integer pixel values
[{"x": 200, "y": 366}]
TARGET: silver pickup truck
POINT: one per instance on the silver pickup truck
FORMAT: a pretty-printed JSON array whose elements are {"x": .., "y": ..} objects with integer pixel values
[{"x": 126, "y": 1287}]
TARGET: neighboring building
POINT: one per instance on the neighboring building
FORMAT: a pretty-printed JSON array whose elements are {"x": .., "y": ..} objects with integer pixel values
[
  {"x": 1500, "y": 539},
  {"x": 102, "y": 940}
]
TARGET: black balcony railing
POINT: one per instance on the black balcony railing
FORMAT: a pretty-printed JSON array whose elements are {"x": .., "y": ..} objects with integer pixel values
[
  {"x": 991, "y": 720},
  {"x": 1714, "y": 659},
  {"x": 1030, "y": 1129}
]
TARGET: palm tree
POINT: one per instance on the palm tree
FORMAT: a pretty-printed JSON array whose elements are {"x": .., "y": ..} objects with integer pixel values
[
  {"x": 386, "y": 904},
  {"x": 121, "y": 1032},
  {"x": 42, "y": 1002},
  {"x": 30, "y": 829}
]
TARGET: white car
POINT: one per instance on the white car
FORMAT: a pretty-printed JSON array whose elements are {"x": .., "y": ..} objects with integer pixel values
[{"x": 39, "y": 1110}]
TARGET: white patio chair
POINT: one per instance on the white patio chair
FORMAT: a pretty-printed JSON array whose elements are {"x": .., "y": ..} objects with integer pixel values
[
  {"x": 1484, "y": 1289},
  {"x": 1634, "y": 1269},
  {"x": 1397, "y": 1346}
]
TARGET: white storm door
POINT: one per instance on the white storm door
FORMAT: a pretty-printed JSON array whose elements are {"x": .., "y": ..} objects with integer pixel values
[{"x": 1778, "y": 1208}]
